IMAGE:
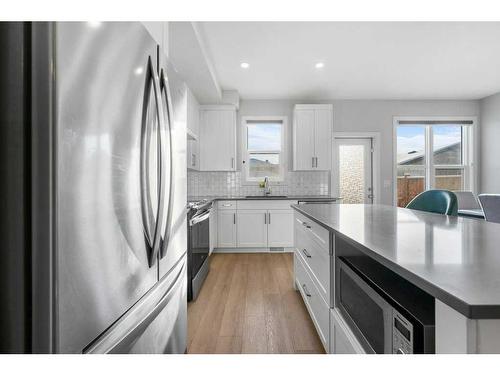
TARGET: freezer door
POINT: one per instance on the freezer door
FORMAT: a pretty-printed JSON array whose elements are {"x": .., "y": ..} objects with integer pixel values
[
  {"x": 174, "y": 229},
  {"x": 106, "y": 176},
  {"x": 157, "y": 324}
]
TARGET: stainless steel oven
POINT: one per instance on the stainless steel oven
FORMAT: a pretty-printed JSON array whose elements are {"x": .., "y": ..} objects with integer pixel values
[
  {"x": 198, "y": 246},
  {"x": 382, "y": 322}
]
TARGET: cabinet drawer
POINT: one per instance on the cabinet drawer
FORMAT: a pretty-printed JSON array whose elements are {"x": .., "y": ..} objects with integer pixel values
[
  {"x": 265, "y": 204},
  {"x": 315, "y": 231},
  {"x": 342, "y": 340},
  {"x": 226, "y": 205},
  {"x": 318, "y": 309},
  {"x": 317, "y": 260}
]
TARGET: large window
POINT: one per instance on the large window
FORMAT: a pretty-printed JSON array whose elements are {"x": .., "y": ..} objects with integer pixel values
[
  {"x": 263, "y": 145},
  {"x": 432, "y": 155}
]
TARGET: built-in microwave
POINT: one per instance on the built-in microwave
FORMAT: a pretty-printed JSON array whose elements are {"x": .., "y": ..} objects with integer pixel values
[{"x": 379, "y": 319}]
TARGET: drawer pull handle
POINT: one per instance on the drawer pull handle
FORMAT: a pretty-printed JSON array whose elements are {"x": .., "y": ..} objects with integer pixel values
[
  {"x": 306, "y": 225},
  {"x": 306, "y": 253},
  {"x": 306, "y": 291},
  {"x": 226, "y": 205}
]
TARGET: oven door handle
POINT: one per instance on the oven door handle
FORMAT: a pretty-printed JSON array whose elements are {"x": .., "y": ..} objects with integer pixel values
[{"x": 199, "y": 218}]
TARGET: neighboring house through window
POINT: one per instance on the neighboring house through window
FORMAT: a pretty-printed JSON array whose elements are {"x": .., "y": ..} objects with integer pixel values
[
  {"x": 432, "y": 154},
  {"x": 264, "y": 148}
]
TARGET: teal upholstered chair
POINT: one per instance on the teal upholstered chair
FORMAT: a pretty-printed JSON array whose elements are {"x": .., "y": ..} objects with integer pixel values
[{"x": 438, "y": 201}]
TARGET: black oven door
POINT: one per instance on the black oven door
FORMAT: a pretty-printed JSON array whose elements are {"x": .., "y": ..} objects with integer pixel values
[
  {"x": 367, "y": 313},
  {"x": 198, "y": 249}
]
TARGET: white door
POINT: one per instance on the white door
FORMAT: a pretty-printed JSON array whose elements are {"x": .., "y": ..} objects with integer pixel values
[
  {"x": 280, "y": 228},
  {"x": 322, "y": 139},
  {"x": 226, "y": 228},
  {"x": 303, "y": 150},
  {"x": 353, "y": 170},
  {"x": 252, "y": 228}
]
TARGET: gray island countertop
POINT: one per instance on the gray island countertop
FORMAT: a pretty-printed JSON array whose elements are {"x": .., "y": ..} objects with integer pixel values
[{"x": 457, "y": 260}]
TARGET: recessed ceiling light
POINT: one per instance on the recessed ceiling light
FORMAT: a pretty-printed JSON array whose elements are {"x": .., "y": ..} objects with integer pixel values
[
  {"x": 319, "y": 65},
  {"x": 94, "y": 24},
  {"x": 245, "y": 65}
]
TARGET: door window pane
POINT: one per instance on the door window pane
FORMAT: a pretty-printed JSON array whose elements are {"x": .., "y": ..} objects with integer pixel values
[
  {"x": 411, "y": 145},
  {"x": 449, "y": 179},
  {"x": 352, "y": 173},
  {"x": 447, "y": 144},
  {"x": 262, "y": 165},
  {"x": 264, "y": 137},
  {"x": 410, "y": 183}
]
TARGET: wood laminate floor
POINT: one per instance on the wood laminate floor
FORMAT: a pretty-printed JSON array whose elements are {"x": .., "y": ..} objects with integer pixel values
[{"x": 248, "y": 305}]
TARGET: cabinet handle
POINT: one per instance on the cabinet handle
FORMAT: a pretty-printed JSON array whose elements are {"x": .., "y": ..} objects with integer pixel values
[
  {"x": 234, "y": 218},
  {"x": 306, "y": 225},
  {"x": 269, "y": 218},
  {"x": 265, "y": 218},
  {"x": 232, "y": 163},
  {"x": 312, "y": 162},
  {"x": 193, "y": 159},
  {"x": 306, "y": 253},
  {"x": 315, "y": 162},
  {"x": 306, "y": 291}
]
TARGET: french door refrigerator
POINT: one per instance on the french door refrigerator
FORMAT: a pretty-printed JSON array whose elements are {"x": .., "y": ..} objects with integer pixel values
[{"x": 93, "y": 220}]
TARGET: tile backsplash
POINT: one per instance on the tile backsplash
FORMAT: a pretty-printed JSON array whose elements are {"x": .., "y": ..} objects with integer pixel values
[{"x": 230, "y": 184}]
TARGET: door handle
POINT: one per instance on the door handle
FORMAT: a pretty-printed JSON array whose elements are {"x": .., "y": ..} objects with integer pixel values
[
  {"x": 306, "y": 291},
  {"x": 148, "y": 217},
  {"x": 306, "y": 253},
  {"x": 166, "y": 187}
]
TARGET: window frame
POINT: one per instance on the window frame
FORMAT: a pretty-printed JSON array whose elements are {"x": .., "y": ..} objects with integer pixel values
[
  {"x": 245, "y": 153},
  {"x": 469, "y": 150}
]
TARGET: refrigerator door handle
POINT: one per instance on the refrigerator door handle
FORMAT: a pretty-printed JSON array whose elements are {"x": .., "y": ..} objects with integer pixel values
[
  {"x": 148, "y": 217},
  {"x": 166, "y": 132}
]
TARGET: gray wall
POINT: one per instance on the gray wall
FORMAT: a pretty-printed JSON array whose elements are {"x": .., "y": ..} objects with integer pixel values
[
  {"x": 490, "y": 142},
  {"x": 366, "y": 116}
]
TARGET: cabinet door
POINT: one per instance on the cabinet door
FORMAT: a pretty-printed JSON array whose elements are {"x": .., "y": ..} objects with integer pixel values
[
  {"x": 193, "y": 160},
  {"x": 252, "y": 228},
  {"x": 213, "y": 230},
  {"x": 323, "y": 139},
  {"x": 226, "y": 228},
  {"x": 218, "y": 140},
  {"x": 280, "y": 228},
  {"x": 303, "y": 150}
]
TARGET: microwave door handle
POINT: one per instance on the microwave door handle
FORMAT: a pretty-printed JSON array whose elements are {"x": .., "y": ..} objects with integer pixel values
[
  {"x": 146, "y": 204},
  {"x": 167, "y": 160}
]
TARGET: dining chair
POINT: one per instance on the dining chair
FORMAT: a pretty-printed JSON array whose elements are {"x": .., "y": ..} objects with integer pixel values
[
  {"x": 436, "y": 201},
  {"x": 490, "y": 203},
  {"x": 467, "y": 200}
]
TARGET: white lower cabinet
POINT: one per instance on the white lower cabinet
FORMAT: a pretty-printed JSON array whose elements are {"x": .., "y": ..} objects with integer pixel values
[
  {"x": 251, "y": 228},
  {"x": 342, "y": 339},
  {"x": 280, "y": 228},
  {"x": 226, "y": 228},
  {"x": 316, "y": 305}
]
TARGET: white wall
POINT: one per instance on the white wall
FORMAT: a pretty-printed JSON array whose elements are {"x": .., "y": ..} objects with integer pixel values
[
  {"x": 159, "y": 31},
  {"x": 366, "y": 116},
  {"x": 490, "y": 142}
]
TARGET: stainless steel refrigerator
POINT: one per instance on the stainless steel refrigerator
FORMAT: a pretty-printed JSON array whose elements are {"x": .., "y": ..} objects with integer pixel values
[{"x": 93, "y": 220}]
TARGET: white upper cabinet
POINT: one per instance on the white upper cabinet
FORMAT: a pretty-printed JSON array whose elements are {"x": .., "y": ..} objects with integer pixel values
[
  {"x": 217, "y": 138},
  {"x": 312, "y": 137},
  {"x": 193, "y": 115}
]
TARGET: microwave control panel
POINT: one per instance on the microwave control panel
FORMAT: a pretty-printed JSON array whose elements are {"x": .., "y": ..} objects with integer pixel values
[{"x": 402, "y": 334}]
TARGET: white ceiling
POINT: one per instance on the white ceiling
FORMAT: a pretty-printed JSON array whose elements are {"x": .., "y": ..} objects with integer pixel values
[{"x": 363, "y": 60}]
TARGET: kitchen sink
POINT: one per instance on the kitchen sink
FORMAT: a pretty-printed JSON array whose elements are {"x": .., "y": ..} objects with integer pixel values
[{"x": 265, "y": 196}]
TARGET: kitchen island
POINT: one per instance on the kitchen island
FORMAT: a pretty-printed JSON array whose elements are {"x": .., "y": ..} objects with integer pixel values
[{"x": 455, "y": 260}]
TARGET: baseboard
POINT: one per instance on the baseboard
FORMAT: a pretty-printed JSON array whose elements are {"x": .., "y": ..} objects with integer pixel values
[{"x": 243, "y": 250}]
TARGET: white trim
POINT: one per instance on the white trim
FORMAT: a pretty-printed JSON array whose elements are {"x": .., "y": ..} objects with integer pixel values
[
  {"x": 375, "y": 136},
  {"x": 470, "y": 158},
  {"x": 283, "y": 153}
]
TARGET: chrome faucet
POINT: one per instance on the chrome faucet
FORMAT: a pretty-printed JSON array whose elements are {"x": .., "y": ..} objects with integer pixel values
[{"x": 267, "y": 189}]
